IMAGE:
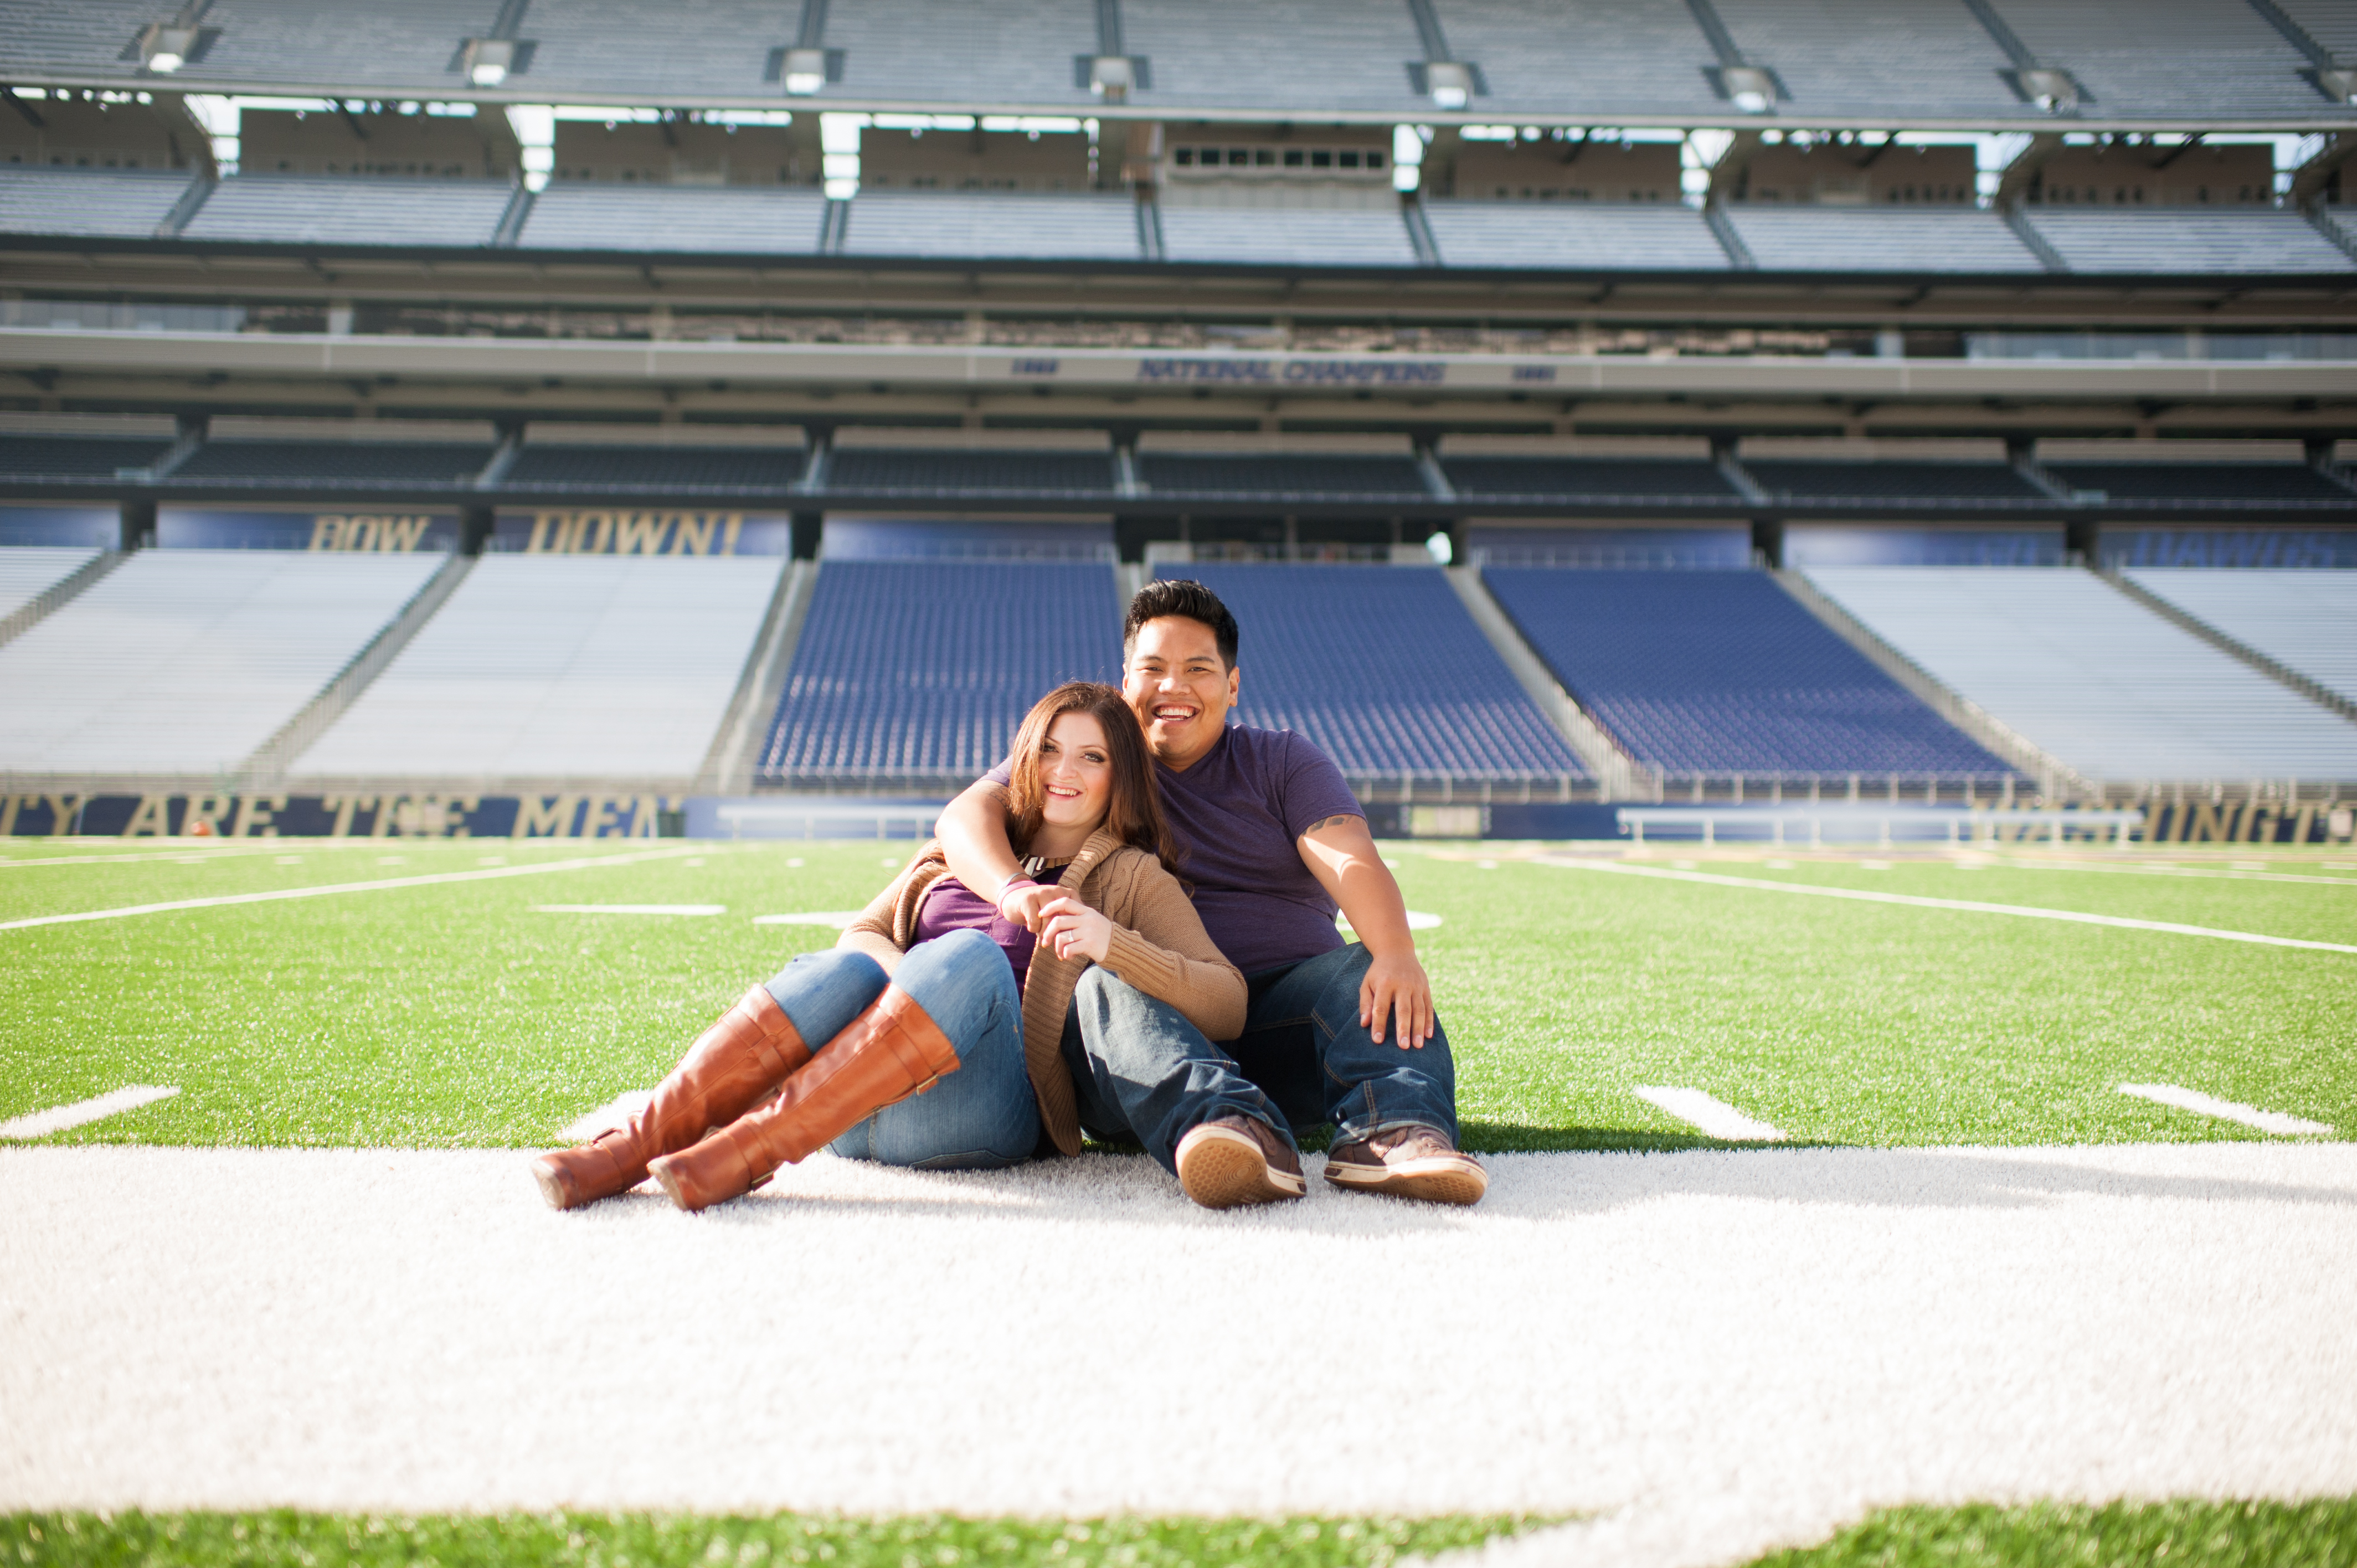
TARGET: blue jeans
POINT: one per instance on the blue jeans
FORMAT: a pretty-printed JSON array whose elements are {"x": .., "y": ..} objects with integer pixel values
[
  {"x": 1143, "y": 1071},
  {"x": 980, "y": 1117}
]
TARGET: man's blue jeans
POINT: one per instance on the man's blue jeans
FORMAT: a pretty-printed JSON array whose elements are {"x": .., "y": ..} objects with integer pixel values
[
  {"x": 982, "y": 1116},
  {"x": 1143, "y": 1071}
]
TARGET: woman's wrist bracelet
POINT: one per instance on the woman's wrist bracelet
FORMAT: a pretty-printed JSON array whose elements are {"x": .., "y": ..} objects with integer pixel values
[{"x": 1009, "y": 886}]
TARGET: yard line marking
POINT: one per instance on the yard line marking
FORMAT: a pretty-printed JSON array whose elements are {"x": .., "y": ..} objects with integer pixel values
[
  {"x": 1417, "y": 921},
  {"x": 2193, "y": 1099},
  {"x": 1971, "y": 905},
  {"x": 430, "y": 880},
  {"x": 838, "y": 918},
  {"x": 1714, "y": 1117},
  {"x": 2210, "y": 873},
  {"x": 631, "y": 908},
  {"x": 57, "y": 1118},
  {"x": 607, "y": 1117}
]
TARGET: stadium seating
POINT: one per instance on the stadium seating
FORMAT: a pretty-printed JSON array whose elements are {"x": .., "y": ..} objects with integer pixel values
[
  {"x": 1587, "y": 479},
  {"x": 186, "y": 660},
  {"x": 1605, "y": 236},
  {"x": 568, "y": 216},
  {"x": 2304, "y": 620},
  {"x": 28, "y": 571},
  {"x": 932, "y": 472},
  {"x": 583, "y": 666},
  {"x": 1096, "y": 227},
  {"x": 326, "y": 465},
  {"x": 1022, "y": 49},
  {"x": 922, "y": 669},
  {"x": 1535, "y": 55},
  {"x": 672, "y": 470},
  {"x": 75, "y": 456},
  {"x": 1710, "y": 672},
  {"x": 2177, "y": 57},
  {"x": 2081, "y": 670},
  {"x": 1287, "y": 477},
  {"x": 2093, "y": 240},
  {"x": 1287, "y": 237},
  {"x": 331, "y": 210},
  {"x": 1895, "y": 482},
  {"x": 1856, "y": 56},
  {"x": 1385, "y": 671},
  {"x": 114, "y": 204},
  {"x": 1309, "y": 54},
  {"x": 2207, "y": 484},
  {"x": 1817, "y": 238}
]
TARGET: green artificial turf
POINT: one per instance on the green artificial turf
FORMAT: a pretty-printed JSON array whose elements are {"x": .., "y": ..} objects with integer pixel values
[
  {"x": 661, "y": 1540},
  {"x": 458, "y": 1014},
  {"x": 2178, "y": 1534}
]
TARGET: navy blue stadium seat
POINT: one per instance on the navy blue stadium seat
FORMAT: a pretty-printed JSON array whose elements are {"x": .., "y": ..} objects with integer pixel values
[
  {"x": 1279, "y": 475},
  {"x": 76, "y": 456},
  {"x": 931, "y": 472},
  {"x": 1893, "y": 481},
  {"x": 668, "y": 468},
  {"x": 2204, "y": 481},
  {"x": 1383, "y": 669},
  {"x": 1723, "y": 672},
  {"x": 1650, "y": 477},
  {"x": 922, "y": 670},
  {"x": 428, "y": 463}
]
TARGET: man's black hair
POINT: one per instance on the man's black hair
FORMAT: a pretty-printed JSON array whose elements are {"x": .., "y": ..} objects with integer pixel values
[{"x": 1180, "y": 597}]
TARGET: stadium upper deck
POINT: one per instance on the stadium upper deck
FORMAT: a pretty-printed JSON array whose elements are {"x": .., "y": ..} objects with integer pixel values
[{"x": 1982, "y": 62}]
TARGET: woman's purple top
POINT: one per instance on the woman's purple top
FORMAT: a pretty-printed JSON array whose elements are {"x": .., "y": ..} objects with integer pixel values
[{"x": 951, "y": 906}]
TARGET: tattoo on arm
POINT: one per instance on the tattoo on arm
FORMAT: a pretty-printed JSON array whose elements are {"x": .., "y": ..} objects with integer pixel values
[{"x": 1328, "y": 823}]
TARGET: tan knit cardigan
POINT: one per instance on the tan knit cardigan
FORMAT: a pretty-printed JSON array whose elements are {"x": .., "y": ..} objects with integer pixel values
[{"x": 1158, "y": 946}]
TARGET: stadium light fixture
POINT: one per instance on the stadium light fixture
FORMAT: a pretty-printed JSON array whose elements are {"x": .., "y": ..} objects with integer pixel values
[
  {"x": 1450, "y": 85},
  {"x": 489, "y": 61},
  {"x": 805, "y": 71},
  {"x": 2052, "y": 90},
  {"x": 164, "y": 47},
  {"x": 1111, "y": 76},
  {"x": 1748, "y": 88}
]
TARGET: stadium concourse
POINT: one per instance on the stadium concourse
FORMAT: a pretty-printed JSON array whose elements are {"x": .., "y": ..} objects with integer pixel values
[{"x": 1666, "y": 451}]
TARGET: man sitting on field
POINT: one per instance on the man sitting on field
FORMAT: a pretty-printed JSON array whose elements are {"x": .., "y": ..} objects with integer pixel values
[{"x": 1273, "y": 840}]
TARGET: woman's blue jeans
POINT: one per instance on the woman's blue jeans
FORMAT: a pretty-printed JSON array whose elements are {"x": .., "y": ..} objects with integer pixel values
[{"x": 982, "y": 1116}]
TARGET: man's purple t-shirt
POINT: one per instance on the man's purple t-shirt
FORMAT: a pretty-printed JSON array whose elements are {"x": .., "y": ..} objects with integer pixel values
[{"x": 1237, "y": 814}]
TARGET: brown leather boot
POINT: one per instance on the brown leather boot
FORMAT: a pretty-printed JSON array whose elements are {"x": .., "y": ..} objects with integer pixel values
[
  {"x": 743, "y": 1057},
  {"x": 889, "y": 1052}
]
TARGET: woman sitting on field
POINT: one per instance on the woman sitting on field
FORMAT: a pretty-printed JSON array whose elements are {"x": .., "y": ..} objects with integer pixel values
[{"x": 929, "y": 1036}]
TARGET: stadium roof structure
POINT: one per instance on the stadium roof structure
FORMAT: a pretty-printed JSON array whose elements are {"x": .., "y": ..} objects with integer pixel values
[{"x": 1982, "y": 64}]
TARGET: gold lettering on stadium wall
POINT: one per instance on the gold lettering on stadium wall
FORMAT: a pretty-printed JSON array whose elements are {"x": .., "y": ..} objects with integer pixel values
[
  {"x": 369, "y": 531},
  {"x": 602, "y": 532}
]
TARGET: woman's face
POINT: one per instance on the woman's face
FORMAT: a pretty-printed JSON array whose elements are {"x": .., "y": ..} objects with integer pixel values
[{"x": 1076, "y": 769}]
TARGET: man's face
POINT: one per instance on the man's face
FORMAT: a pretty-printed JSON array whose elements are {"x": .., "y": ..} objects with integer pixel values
[{"x": 1179, "y": 688}]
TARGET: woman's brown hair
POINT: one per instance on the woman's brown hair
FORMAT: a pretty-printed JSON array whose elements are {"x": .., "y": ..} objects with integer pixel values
[{"x": 1133, "y": 807}]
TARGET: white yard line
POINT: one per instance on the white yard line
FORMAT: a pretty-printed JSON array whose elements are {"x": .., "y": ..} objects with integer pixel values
[
  {"x": 1709, "y": 1353},
  {"x": 611, "y": 1114},
  {"x": 434, "y": 879},
  {"x": 837, "y": 918},
  {"x": 1969, "y": 906},
  {"x": 57, "y": 1118},
  {"x": 631, "y": 908},
  {"x": 1713, "y": 1116},
  {"x": 2201, "y": 1104},
  {"x": 2216, "y": 875}
]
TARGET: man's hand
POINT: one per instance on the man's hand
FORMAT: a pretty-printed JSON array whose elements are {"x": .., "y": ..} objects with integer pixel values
[
  {"x": 973, "y": 831},
  {"x": 1395, "y": 994},
  {"x": 1395, "y": 988},
  {"x": 1025, "y": 904},
  {"x": 1072, "y": 930}
]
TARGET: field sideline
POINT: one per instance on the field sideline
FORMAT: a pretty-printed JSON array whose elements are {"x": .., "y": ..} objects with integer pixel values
[{"x": 1968, "y": 1273}]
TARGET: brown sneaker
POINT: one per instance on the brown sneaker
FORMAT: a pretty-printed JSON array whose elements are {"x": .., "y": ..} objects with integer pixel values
[
  {"x": 1238, "y": 1160},
  {"x": 1409, "y": 1162}
]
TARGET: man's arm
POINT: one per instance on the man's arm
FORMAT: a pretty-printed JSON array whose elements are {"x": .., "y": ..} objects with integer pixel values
[
  {"x": 1341, "y": 854},
  {"x": 973, "y": 831}
]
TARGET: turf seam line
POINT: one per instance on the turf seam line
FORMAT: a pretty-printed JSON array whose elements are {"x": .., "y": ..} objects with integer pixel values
[
  {"x": 429, "y": 880},
  {"x": 1711, "y": 1114},
  {"x": 57, "y": 1118},
  {"x": 2201, "y": 1104},
  {"x": 1970, "y": 905}
]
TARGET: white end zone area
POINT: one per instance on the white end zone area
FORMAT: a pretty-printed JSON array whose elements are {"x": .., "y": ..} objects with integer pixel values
[{"x": 1712, "y": 1353}]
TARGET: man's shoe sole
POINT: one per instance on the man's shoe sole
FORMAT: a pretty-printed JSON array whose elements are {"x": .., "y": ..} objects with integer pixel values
[
  {"x": 1459, "y": 1181},
  {"x": 1222, "y": 1169}
]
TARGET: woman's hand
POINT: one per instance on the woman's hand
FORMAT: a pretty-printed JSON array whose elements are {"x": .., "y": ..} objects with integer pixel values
[{"x": 1072, "y": 929}]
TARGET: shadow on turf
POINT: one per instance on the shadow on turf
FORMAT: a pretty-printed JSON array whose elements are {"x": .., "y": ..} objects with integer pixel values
[{"x": 1129, "y": 1190}]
